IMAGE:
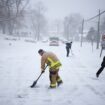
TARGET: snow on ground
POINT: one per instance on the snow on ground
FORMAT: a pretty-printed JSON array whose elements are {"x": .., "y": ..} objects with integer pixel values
[{"x": 20, "y": 66}]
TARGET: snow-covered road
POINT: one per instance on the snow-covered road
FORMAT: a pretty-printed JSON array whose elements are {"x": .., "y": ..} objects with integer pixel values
[{"x": 20, "y": 66}]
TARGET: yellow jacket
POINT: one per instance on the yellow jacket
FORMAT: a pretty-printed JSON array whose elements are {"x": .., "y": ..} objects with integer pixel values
[{"x": 51, "y": 60}]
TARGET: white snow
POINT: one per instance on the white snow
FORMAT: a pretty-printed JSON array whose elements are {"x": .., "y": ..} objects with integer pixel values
[{"x": 20, "y": 66}]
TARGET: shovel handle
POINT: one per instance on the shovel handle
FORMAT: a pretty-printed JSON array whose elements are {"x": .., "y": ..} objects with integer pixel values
[{"x": 34, "y": 83}]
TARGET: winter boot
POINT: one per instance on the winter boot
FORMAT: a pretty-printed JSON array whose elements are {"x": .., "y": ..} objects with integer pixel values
[
  {"x": 50, "y": 87},
  {"x": 60, "y": 82}
]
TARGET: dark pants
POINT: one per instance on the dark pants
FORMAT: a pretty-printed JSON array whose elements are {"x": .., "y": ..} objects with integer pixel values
[
  {"x": 101, "y": 68},
  {"x": 68, "y": 51},
  {"x": 99, "y": 71}
]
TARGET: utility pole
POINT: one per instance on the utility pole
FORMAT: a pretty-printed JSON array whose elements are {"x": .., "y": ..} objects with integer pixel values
[
  {"x": 82, "y": 31},
  {"x": 98, "y": 31}
]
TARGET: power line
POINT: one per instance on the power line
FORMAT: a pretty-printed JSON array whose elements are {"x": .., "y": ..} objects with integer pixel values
[{"x": 94, "y": 16}]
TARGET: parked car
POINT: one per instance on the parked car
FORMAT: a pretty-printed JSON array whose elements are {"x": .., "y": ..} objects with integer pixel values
[
  {"x": 45, "y": 40},
  {"x": 54, "y": 41}
]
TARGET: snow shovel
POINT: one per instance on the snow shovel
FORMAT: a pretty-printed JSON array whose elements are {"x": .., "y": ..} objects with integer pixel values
[{"x": 35, "y": 82}]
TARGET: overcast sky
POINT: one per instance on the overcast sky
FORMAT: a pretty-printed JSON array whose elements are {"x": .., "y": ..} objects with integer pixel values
[{"x": 61, "y": 8}]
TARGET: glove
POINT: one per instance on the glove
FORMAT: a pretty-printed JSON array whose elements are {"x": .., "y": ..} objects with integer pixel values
[{"x": 43, "y": 71}]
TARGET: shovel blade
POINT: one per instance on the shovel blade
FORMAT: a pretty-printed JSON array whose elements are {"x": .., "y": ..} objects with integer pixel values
[{"x": 33, "y": 85}]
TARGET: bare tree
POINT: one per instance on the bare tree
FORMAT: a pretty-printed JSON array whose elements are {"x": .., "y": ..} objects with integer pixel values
[
  {"x": 102, "y": 27},
  {"x": 71, "y": 25},
  {"x": 66, "y": 27},
  {"x": 11, "y": 10},
  {"x": 38, "y": 20},
  {"x": 91, "y": 36}
]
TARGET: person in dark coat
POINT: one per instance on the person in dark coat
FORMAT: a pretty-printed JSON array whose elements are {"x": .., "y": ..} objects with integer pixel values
[
  {"x": 68, "y": 47},
  {"x": 101, "y": 68}
]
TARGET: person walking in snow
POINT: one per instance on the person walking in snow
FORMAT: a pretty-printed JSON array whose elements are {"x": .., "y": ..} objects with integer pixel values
[
  {"x": 101, "y": 68},
  {"x": 54, "y": 64},
  {"x": 68, "y": 48}
]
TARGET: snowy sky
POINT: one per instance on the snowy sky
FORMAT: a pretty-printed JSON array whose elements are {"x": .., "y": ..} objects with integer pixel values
[{"x": 61, "y": 8}]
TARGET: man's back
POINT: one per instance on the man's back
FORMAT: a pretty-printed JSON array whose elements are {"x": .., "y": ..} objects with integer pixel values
[
  {"x": 68, "y": 45},
  {"x": 51, "y": 55}
]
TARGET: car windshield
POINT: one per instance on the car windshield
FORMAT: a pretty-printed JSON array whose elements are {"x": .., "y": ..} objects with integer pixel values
[{"x": 54, "y": 39}]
